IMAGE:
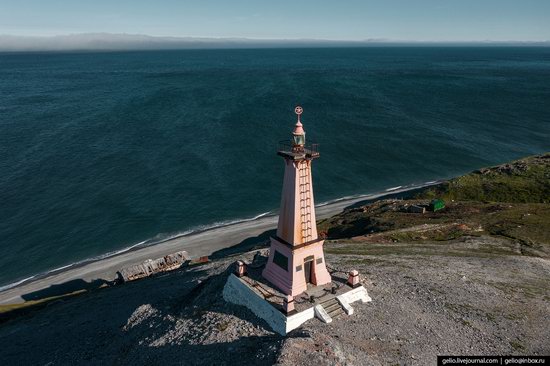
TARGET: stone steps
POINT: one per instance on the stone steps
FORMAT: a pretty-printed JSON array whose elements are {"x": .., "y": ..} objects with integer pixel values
[
  {"x": 333, "y": 308},
  {"x": 332, "y": 300},
  {"x": 336, "y": 312}
]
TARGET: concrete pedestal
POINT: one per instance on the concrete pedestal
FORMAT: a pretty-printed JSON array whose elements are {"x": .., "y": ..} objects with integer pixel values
[{"x": 237, "y": 291}]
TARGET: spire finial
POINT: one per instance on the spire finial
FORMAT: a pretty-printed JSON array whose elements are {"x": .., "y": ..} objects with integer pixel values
[{"x": 298, "y": 110}]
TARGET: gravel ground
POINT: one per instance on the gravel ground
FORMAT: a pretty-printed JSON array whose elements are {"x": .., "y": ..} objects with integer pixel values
[
  {"x": 424, "y": 306},
  {"x": 449, "y": 301}
]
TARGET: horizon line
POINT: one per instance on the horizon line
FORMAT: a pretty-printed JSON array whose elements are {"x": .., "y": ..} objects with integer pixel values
[
  {"x": 104, "y": 41},
  {"x": 198, "y": 37}
]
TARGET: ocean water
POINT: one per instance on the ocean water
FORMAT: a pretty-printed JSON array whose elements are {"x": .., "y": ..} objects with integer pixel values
[{"x": 101, "y": 151}]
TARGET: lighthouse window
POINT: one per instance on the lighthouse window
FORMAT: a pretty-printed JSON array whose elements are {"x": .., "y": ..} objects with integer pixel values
[
  {"x": 319, "y": 260},
  {"x": 280, "y": 260},
  {"x": 299, "y": 139}
]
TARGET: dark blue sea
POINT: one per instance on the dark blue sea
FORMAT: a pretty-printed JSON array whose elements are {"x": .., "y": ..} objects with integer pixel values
[{"x": 101, "y": 151}]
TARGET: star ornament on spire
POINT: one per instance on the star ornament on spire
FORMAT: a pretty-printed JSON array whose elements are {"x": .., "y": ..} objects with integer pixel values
[{"x": 298, "y": 110}]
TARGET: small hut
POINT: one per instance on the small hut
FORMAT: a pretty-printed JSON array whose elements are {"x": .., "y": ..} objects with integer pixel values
[{"x": 437, "y": 204}]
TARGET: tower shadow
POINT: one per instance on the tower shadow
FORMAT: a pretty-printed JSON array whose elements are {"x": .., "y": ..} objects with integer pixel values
[
  {"x": 66, "y": 288},
  {"x": 257, "y": 242}
]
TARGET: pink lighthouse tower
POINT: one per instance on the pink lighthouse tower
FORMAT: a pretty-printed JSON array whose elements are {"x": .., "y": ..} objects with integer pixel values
[{"x": 296, "y": 256}]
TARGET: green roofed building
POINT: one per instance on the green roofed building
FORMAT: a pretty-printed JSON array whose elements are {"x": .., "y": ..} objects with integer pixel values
[{"x": 437, "y": 204}]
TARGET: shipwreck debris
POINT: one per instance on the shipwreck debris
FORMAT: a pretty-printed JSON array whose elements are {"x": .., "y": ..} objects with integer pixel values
[{"x": 151, "y": 266}]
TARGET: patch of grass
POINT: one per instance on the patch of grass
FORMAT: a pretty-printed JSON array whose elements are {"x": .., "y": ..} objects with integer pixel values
[
  {"x": 363, "y": 261},
  {"x": 436, "y": 290},
  {"x": 413, "y": 249},
  {"x": 459, "y": 308},
  {"x": 517, "y": 345},
  {"x": 524, "y": 224},
  {"x": 352, "y": 223},
  {"x": 443, "y": 234},
  {"x": 504, "y": 287},
  {"x": 466, "y": 323},
  {"x": 6, "y": 311},
  {"x": 527, "y": 223},
  {"x": 532, "y": 289},
  {"x": 523, "y": 220},
  {"x": 222, "y": 326},
  {"x": 379, "y": 250},
  {"x": 512, "y": 316},
  {"x": 526, "y": 180}
]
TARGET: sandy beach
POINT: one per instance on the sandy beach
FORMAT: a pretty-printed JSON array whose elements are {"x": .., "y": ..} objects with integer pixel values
[{"x": 197, "y": 244}]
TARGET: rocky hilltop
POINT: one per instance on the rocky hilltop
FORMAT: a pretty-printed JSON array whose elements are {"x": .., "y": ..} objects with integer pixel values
[{"x": 472, "y": 278}]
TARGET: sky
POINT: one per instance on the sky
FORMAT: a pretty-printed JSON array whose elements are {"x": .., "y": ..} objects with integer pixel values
[{"x": 400, "y": 20}]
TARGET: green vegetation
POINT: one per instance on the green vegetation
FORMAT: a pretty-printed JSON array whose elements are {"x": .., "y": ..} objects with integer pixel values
[
  {"x": 532, "y": 289},
  {"x": 437, "y": 204},
  {"x": 517, "y": 346},
  {"x": 526, "y": 223},
  {"x": 466, "y": 323},
  {"x": 33, "y": 304},
  {"x": 222, "y": 326},
  {"x": 510, "y": 202},
  {"x": 415, "y": 249},
  {"x": 525, "y": 180}
]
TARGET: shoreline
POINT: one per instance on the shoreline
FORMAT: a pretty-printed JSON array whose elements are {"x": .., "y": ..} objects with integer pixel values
[{"x": 202, "y": 241}]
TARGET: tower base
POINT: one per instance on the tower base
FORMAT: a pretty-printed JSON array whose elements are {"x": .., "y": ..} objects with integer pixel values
[
  {"x": 291, "y": 269},
  {"x": 239, "y": 292}
]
